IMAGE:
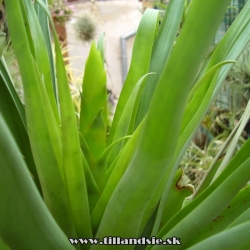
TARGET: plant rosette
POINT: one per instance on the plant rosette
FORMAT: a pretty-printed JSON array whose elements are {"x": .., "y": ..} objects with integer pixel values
[{"x": 62, "y": 178}]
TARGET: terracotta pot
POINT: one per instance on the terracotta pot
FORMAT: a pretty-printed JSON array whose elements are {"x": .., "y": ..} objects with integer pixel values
[
  {"x": 61, "y": 30},
  {"x": 62, "y": 34}
]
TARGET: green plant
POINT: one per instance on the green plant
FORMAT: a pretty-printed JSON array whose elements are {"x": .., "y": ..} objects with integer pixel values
[
  {"x": 60, "y": 180},
  {"x": 236, "y": 85},
  {"x": 60, "y": 10},
  {"x": 219, "y": 122},
  {"x": 196, "y": 160},
  {"x": 85, "y": 27},
  {"x": 215, "y": 128}
]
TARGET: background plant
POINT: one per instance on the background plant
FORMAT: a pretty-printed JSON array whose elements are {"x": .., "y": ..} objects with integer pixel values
[
  {"x": 74, "y": 183},
  {"x": 235, "y": 91},
  {"x": 85, "y": 27},
  {"x": 61, "y": 10},
  {"x": 220, "y": 120}
]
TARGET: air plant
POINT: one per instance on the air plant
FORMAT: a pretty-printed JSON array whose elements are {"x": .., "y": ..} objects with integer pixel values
[{"x": 85, "y": 26}]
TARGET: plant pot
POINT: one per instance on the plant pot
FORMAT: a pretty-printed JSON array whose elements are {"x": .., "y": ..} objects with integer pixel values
[
  {"x": 61, "y": 30},
  {"x": 62, "y": 35}
]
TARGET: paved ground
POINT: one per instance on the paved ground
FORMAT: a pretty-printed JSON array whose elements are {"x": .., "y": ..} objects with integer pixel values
[{"x": 115, "y": 18}]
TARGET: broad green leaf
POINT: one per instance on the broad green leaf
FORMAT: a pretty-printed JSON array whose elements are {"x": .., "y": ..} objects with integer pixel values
[
  {"x": 90, "y": 181},
  {"x": 193, "y": 114},
  {"x": 97, "y": 179},
  {"x": 89, "y": 194},
  {"x": 231, "y": 45},
  {"x": 44, "y": 23},
  {"x": 94, "y": 98},
  {"x": 161, "y": 49},
  {"x": 233, "y": 51},
  {"x": 41, "y": 125},
  {"x": 101, "y": 163},
  {"x": 154, "y": 152},
  {"x": 245, "y": 216},
  {"x": 115, "y": 176},
  {"x": 93, "y": 189},
  {"x": 180, "y": 189},
  {"x": 38, "y": 230},
  {"x": 238, "y": 206},
  {"x": 71, "y": 151},
  {"x": 126, "y": 124},
  {"x": 2, "y": 42},
  {"x": 12, "y": 110},
  {"x": 171, "y": 203},
  {"x": 28, "y": 28},
  {"x": 233, "y": 238},
  {"x": 96, "y": 135},
  {"x": 140, "y": 62},
  {"x": 53, "y": 129},
  {"x": 41, "y": 54},
  {"x": 211, "y": 202},
  {"x": 101, "y": 175},
  {"x": 205, "y": 79},
  {"x": 86, "y": 152},
  {"x": 147, "y": 231},
  {"x": 7, "y": 80},
  {"x": 74, "y": 177},
  {"x": 3, "y": 246}
]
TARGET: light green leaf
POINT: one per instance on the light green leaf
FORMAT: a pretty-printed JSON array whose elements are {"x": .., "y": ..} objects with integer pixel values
[
  {"x": 94, "y": 98},
  {"x": 228, "y": 218},
  {"x": 140, "y": 62},
  {"x": 162, "y": 47},
  {"x": 234, "y": 238},
  {"x": 41, "y": 125},
  {"x": 16, "y": 191}
]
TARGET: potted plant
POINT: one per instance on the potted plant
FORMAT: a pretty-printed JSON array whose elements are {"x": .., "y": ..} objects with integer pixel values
[{"x": 64, "y": 183}]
